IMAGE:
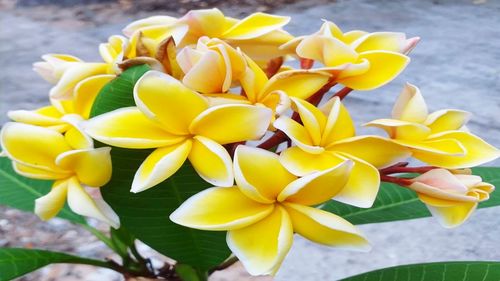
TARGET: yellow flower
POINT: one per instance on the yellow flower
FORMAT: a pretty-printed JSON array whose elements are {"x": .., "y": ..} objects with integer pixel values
[
  {"x": 259, "y": 35},
  {"x": 211, "y": 57},
  {"x": 179, "y": 123},
  {"x": 326, "y": 139},
  {"x": 451, "y": 198},
  {"x": 439, "y": 138},
  {"x": 267, "y": 206},
  {"x": 361, "y": 61},
  {"x": 42, "y": 153}
]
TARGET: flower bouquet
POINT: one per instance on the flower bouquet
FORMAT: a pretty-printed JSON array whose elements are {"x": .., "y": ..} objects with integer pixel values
[{"x": 214, "y": 140}]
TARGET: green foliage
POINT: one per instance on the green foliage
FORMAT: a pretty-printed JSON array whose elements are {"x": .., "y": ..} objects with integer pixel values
[
  {"x": 145, "y": 214},
  {"x": 19, "y": 192},
  {"x": 17, "y": 262},
  {"x": 440, "y": 271},
  {"x": 395, "y": 203}
]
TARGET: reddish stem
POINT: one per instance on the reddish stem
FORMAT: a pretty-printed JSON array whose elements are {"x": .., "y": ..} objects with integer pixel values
[
  {"x": 306, "y": 63},
  {"x": 343, "y": 93},
  {"x": 398, "y": 170},
  {"x": 399, "y": 181},
  {"x": 274, "y": 140},
  {"x": 273, "y": 66}
]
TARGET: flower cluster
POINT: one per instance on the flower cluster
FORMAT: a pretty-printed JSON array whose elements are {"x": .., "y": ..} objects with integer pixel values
[{"x": 270, "y": 138}]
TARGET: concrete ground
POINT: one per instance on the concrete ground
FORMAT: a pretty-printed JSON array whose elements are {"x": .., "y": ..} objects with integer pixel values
[{"x": 456, "y": 65}]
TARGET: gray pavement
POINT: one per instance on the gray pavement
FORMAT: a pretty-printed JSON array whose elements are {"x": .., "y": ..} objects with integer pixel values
[{"x": 456, "y": 65}]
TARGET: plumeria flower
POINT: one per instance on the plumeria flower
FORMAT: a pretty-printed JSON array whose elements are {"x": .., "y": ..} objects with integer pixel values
[
  {"x": 179, "y": 123},
  {"x": 451, "y": 198},
  {"x": 259, "y": 35},
  {"x": 327, "y": 138},
  {"x": 361, "y": 61},
  {"x": 213, "y": 56},
  {"x": 439, "y": 138},
  {"x": 66, "y": 71},
  {"x": 42, "y": 153},
  {"x": 267, "y": 206}
]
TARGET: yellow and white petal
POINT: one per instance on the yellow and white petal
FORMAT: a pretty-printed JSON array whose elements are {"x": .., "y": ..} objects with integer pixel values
[
  {"x": 37, "y": 173},
  {"x": 434, "y": 148},
  {"x": 49, "y": 205},
  {"x": 72, "y": 76},
  {"x": 83, "y": 204},
  {"x": 326, "y": 49},
  {"x": 297, "y": 83},
  {"x": 277, "y": 101},
  {"x": 448, "y": 213},
  {"x": 339, "y": 124},
  {"x": 163, "y": 98},
  {"x": 86, "y": 91},
  {"x": 386, "y": 41},
  {"x": 212, "y": 162},
  {"x": 114, "y": 50},
  {"x": 362, "y": 187},
  {"x": 162, "y": 163},
  {"x": 75, "y": 135},
  {"x": 145, "y": 22},
  {"x": 209, "y": 22},
  {"x": 381, "y": 153},
  {"x": 128, "y": 127},
  {"x": 46, "y": 116},
  {"x": 384, "y": 67},
  {"x": 402, "y": 130},
  {"x": 447, "y": 120},
  {"x": 151, "y": 37},
  {"x": 223, "y": 123},
  {"x": 326, "y": 228},
  {"x": 298, "y": 134},
  {"x": 301, "y": 163},
  {"x": 253, "y": 80},
  {"x": 91, "y": 166},
  {"x": 262, "y": 246},
  {"x": 410, "y": 105},
  {"x": 54, "y": 66},
  {"x": 255, "y": 25},
  {"x": 317, "y": 187},
  {"x": 220, "y": 208},
  {"x": 477, "y": 151},
  {"x": 19, "y": 143},
  {"x": 210, "y": 64},
  {"x": 313, "y": 119},
  {"x": 259, "y": 173},
  {"x": 223, "y": 98}
]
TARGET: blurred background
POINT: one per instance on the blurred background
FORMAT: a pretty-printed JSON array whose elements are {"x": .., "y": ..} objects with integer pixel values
[{"x": 456, "y": 65}]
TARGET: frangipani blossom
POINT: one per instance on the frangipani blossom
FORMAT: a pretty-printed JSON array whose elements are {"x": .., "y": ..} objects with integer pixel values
[
  {"x": 42, "y": 153},
  {"x": 451, "y": 198},
  {"x": 326, "y": 139},
  {"x": 439, "y": 138},
  {"x": 179, "y": 123},
  {"x": 361, "y": 61},
  {"x": 267, "y": 206},
  {"x": 214, "y": 57},
  {"x": 259, "y": 35}
]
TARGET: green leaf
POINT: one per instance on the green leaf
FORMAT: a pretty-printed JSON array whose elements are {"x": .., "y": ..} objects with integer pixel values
[
  {"x": 187, "y": 273},
  {"x": 19, "y": 192},
  {"x": 395, "y": 203},
  {"x": 145, "y": 214},
  {"x": 122, "y": 240},
  {"x": 17, "y": 262},
  {"x": 439, "y": 271},
  {"x": 118, "y": 92}
]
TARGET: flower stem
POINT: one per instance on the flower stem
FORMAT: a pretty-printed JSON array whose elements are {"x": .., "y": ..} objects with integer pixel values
[
  {"x": 399, "y": 181},
  {"x": 342, "y": 93}
]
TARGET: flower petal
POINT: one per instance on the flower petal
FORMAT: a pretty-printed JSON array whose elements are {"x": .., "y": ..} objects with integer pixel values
[
  {"x": 318, "y": 187},
  {"x": 297, "y": 83},
  {"x": 46, "y": 116},
  {"x": 84, "y": 162},
  {"x": 339, "y": 124},
  {"x": 37, "y": 173},
  {"x": 298, "y": 134},
  {"x": 223, "y": 123},
  {"x": 18, "y": 143},
  {"x": 410, "y": 105},
  {"x": 209, "y": 22},
  {"x": 212, "y": 162},
  {"x": 477, "y": 151},
  {"x": 326, "y": 49},
  {"x": 262, "y": 246},
  {"x": 401, "y": 130},
  {"x": 313, "y": 119},
  {"x": 220, "y": 208},
  {"x": 73, "y": 75},
  {"x": 326, "y": 228},
  {"x": 210, "y": 63},
  {"x": 301, "y": 163},
  {"x": 145, "y": 22},
  {"x": 162, "y": 97},
  {"x": 259, "y": 173},
  {"x": 128, "y": 127},
  {"x": 384, "y": 67},
  {"x": 49, "y": 205},
  {"x": 448, "y": 213},
  {"x": 162, "y": 163},
  {"x": 81, "y": 203},
  {"x": 362, "y": 187},
  {"x": 255, "y": 25},
  {"x": 75, "y": 136},
  {"x": 382, "y": 153},
  {"x": 447, "y": 120},
  {"x": 386, "y": 41},
  {"x": 86, "y": 91}
]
